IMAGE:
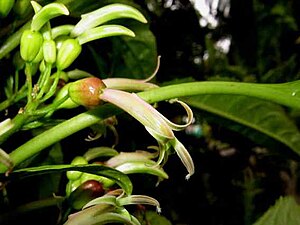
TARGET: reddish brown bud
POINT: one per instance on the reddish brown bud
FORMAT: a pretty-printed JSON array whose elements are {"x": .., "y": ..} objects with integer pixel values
[
  {"x": 86, "y": 91},
  {"x": 86, "y": 192}
]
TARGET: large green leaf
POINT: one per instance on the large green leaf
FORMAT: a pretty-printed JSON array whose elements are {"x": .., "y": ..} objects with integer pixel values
[
  {"x": 135, "y": 57},
  {"x": 284, "y": 212},
  {"x": 130, "y": 57},
  {"x": 252, "y": 117},
  {"x": 151, "y": 218},
  {"x": 120, "y": 178}
]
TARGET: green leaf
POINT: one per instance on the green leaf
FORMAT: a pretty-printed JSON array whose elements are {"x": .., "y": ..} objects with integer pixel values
[
  {"x": 285, "y": 211},
  {"x": 100, "y": 214},
  {"x": 121, "y": 179},
  {"x": 135, "y": 57},
  {"x": 250, "y": 115},
  {"x": 152, "y": 218},
  {"x": 50, "y": 183}
]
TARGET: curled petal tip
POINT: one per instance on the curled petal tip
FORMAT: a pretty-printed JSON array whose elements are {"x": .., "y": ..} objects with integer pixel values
[
  {"x": 187, "y": 177},
  {"x": 158, "y": 209},
  {"x": 184, "y": 156}
]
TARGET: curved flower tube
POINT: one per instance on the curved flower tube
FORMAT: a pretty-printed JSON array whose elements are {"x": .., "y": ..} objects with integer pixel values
[
  {"x": 155, "y": 123},
  {"x": 105, "y": 14},
  {"x": 103, "y": 32},
  {"x": 127, "y": 84}
]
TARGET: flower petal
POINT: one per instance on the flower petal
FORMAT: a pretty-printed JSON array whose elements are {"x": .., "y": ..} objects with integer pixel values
[
  {"x": 190, "y": 117},
  {"x": 184, "y": 156},
  {"x": 139, "y": 199},
  {"x": 125, "y": 157},
  {"x": 142, "y": 111}
]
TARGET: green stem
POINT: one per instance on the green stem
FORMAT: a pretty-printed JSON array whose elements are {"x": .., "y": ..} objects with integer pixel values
[
  {"x": 18, "y": 121},
  {"x": 43, "y": 80},
  {"x": 59, "y": 132},
  {"x": 28, "y": 68},
  {"x": 6, "y": 103},
  {"x": 14, "y": 98},
  {"x": 285, "y": 94}
]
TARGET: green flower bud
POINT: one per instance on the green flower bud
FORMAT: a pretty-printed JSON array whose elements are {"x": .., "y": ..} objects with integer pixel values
[
  {"x": 67, "y": 53},
  {"x": 59, "y": 40},
  {"x": 71, "y": 186},
  {"x": 5, "y": 7},
  {"x": 42, "y": 66},
  {"x": 46, "y": 13},
  {"x": 86, "y": 91},
  {"x": 22, "y": 8},
  {"x": 74, "y": 175},
  {"x": 18, "y": 61},
  {"x": 49, "y": 51},
  {"x": 30, "y": 44},
  {"x": 105, "y": 14},
  {"x": 68, "y": 104},
  {"x": 39, "y": 56}
]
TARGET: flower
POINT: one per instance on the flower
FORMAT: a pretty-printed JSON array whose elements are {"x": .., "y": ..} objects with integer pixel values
[{"x": 155, "y": 123}]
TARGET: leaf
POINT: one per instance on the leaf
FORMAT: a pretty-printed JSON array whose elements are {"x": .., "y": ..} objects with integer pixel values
[
  {"x": 153, "y": 218},
  {"x": 121, "y": 179},
  {"x": 100, "y": 214},
  {"x": 50, "y": 183},
  {"x": 135, "y": 57},
  {"x": 249, "y": 115},
  {"x": 285, "y": 211}
]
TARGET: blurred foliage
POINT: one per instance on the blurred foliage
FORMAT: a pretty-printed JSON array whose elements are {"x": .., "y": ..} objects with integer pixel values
[{"x": 248, "y": 41}]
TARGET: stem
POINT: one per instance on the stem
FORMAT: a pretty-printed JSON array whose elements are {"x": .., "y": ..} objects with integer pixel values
[
  {"x": 42, "y": 82},
  {"x": 279, "y": 93},
  {"x": 18, "y": 121},
  {"x": 52, "y": 89},
  {"x": 29, "y": 82},
  {"x": 59, "y": 132},
  {"x": 17, "y": 96},
  {"x": 6, "y": 103},
  {"x": 286, "y": 94}
]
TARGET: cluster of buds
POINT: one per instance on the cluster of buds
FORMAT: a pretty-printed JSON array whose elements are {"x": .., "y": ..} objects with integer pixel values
[
  {"x": 47, "y": 48},
  {"x": 62, "y": 45}
]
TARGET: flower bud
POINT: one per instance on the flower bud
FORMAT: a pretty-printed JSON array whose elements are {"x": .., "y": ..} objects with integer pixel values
[
  {"x": 49, "y": 51},
  {"x": 71, "y": 186},
  {"x": 30, "y": 44},
  {"x": 18, "y": 61},
  {"x": 63, "y": 92},
  {"x": 86, "y": 91},
  {"x": 74, "y": 175},
  {"x": 46, "y": 13},
  {"x": 5, "y": 7},
  {"x": 67, "y": 53},
  {"x": 39, "y": 57},
  {"x": 22, "y": 8}
]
